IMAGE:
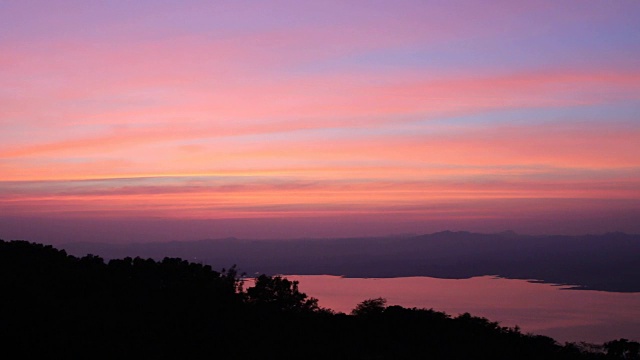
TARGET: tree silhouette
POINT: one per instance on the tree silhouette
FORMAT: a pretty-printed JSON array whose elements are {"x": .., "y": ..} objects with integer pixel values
[
  {"x": 280, "y": 294},
  {"x": 58, "y": 306},
  {"x": 623, "y": 349},
  {"x": 370, "y": 307}
]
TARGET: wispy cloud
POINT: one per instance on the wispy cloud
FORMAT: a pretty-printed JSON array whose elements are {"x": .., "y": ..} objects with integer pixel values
[{"x": 425, "y": 110}]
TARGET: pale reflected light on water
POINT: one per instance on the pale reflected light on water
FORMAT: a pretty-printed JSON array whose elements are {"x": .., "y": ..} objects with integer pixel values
[{"x": 565, "y": 315}]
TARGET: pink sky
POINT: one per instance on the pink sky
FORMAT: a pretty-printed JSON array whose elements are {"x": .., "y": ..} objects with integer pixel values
[{"x": 309, "y": 119}]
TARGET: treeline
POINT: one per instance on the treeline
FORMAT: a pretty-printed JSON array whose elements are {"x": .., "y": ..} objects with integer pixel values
[{"x": 54, "y": 305}]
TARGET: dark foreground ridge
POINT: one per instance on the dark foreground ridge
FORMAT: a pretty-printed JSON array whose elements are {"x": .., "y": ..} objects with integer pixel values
[
  {"x": 55, "y": 305},
  {"x": 606, "y": 262}
]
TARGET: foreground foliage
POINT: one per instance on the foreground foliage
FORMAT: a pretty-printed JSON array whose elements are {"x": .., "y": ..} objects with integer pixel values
[{"x": 55, "y": 305}]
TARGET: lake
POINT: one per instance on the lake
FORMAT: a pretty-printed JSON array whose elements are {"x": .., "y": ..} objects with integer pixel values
[{"x": 546, "y": 309}]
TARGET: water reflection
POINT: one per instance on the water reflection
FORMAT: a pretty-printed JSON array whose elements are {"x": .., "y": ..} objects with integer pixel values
[{"x": 565, "y": 315}]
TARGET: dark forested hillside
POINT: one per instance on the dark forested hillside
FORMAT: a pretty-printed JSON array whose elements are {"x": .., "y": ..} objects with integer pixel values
[{"x": 59, "y": 306}]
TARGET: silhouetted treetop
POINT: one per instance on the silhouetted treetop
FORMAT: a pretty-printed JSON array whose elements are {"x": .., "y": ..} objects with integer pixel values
[
  {"x": 280, "y": 294},
  {"x": 370, "y": 307}
]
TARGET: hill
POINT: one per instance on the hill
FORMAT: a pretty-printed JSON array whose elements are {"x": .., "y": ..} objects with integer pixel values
[{"x": 57, "y": 305}]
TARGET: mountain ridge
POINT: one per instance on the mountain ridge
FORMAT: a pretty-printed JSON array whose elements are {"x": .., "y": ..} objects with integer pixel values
[{"x": 606, "y": 262}]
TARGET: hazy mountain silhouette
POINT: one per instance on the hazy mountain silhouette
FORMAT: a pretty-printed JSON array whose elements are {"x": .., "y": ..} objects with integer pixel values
[{"x": 607, "y": 262}]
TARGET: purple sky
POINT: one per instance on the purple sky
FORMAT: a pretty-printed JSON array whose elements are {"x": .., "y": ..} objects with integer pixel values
[{"x": 173, "y": 120}]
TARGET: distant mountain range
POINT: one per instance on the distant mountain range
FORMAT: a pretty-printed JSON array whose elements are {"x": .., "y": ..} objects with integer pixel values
[{"x": 607, "y": 262}]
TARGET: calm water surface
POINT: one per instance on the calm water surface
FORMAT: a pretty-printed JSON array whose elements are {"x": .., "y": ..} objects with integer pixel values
[{"x": 565, "y": 315}]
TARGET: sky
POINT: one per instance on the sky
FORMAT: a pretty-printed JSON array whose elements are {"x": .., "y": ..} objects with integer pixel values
[{"x": 173, "y": 120}]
